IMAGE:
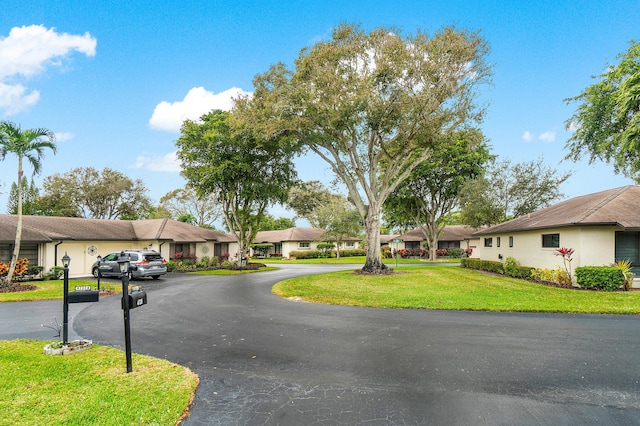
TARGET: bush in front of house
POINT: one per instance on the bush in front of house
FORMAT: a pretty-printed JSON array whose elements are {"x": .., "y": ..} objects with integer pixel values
[
  {"x": 483, "y": 265},
  {"x": 557, "y": 276},
  {"x": 454, "y": 252},
  {"x": 513, "y": 269},
  {"x": 605, "y": 278}
]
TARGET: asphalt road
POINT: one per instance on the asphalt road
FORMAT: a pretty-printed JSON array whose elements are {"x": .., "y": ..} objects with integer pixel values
[{"x": 267, "y": 361}]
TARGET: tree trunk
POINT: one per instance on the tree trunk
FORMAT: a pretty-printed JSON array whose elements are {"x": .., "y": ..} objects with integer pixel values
[
  {"x": 373, "y": 264},
  {"x": 16, "y": 245}
]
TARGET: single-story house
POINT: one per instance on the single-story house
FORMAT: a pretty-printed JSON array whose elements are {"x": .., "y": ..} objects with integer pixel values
[
  {"x": 601, "y": 228},
  {"x": 453, "y": 236},
  {"x": 297, "y": 239},
  {"x": 45, "y": 239}
]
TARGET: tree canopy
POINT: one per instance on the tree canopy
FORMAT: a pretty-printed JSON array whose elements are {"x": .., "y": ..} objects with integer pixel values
[
  {"x": 432, "y": 190},
  {"x": 90, "y": 193},
  {"x": 606, "y": 123},
  {"x": 372, "y": 105},
  {"x": 508, "y": 190},
  {"x": 185, "y": 205},
  {"x": 223, "y": 158}
]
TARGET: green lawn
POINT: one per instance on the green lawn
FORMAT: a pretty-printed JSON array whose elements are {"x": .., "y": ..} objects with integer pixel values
[
  {"x": 90, "y": 387},
  {"x": 453, "y": 288},
  {"x": 354, "y": 260},
  {"x": 54, "y": 289}
]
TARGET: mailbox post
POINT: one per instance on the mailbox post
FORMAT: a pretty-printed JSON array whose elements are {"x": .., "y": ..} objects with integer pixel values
[
  {"x": 65, "y": 299},
  {"x": 396, "y": 240},
  {"x": 124, "y": 262}
]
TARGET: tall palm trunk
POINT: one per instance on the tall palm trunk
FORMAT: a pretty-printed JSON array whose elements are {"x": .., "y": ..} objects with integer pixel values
[{"x": 16, "y": 244}]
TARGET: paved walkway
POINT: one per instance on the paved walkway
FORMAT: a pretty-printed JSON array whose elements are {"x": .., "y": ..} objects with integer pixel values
[{"x": 264, "y": 360}]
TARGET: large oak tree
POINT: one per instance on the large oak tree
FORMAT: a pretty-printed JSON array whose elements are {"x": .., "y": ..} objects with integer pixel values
[{"x": 372, "y": 105}]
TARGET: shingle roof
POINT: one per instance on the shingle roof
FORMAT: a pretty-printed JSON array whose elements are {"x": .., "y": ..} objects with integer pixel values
[
  {"x": 618, "y": 206},
  {"x": 49, "y": 228},
  {"x": 294, "y": 234},
  {"x": 449, "y": 233}
]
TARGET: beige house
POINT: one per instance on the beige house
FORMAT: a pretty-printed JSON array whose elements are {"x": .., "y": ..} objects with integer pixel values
[
  {"x": 297, "y": 239},
  {"x": 453, "y": 236},
  {"x": 45, "y": 239},
  {"x": 601, "y": 228}
]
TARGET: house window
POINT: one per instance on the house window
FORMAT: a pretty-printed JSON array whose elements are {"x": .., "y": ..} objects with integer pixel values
[
  {"x": 497, "y": 241},
  {"x": 448, "y": 244},
  {"x": 412, "y": 245},
  {"x": 551, "y": 240},
  {"x": 304, "y": 245},
  {"x": 511, "y": 241},
  {"x": 488, "y": 242},
  {"x": 350, "y": 244}
]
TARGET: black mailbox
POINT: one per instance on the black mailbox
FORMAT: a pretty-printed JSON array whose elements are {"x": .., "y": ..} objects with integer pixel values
[
  {"x": 83, "y": 296},
  {"x": 136, "y": 298}
]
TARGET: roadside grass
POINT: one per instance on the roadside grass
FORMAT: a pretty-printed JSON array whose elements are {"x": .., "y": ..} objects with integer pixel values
[
  {"x": 354, "y": 260},
  {"x": 90, "y": 387},
  {"x": 54, "y": 289},
  {"x": 453, "y": 289},
  {"x": 233, "y": 271}
]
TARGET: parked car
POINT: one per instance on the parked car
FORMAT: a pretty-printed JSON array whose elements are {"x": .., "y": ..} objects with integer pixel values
[{"x": 144, "y": 263}]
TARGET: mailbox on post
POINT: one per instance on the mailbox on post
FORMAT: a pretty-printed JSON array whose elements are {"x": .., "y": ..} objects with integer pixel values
[
  {"x": 82, "y": 296},
  {"x": 136, "y": 298}
]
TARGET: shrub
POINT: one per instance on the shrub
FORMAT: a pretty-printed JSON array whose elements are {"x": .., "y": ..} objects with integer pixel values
[
  {"x": 351, "y": 253},
  {"x": 454, "y": 252},
  {"x": 513, "y": 268},
  {"x": 171, "y": 265},
  {"x": 557, "y": 276},
  {"x": 56, "y": 272},
  {"x": 483, "y": 265},
  {"x": 442, "y": 252},
  {"x": 606, "y": 278}
]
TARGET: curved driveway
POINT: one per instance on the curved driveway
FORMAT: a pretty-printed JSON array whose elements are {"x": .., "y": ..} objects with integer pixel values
[{"x": 264, "y": 360}]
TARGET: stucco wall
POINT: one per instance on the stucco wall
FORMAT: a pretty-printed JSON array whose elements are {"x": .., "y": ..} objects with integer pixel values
[{"x": 592, "y": 246}]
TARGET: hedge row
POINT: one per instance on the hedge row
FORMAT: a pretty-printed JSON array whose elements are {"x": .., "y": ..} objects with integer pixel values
[
  {"x": 315, "y": 254},
  {"x": 606, "y": 278},
  {"x": 483, "y": 265}
]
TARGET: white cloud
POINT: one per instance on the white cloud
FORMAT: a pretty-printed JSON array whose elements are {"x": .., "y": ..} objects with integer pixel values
[
  {"x": 527, "y": 136},
  {"x": 198, "y": 101},
  {"x": 156, "y": 163},
  {"x": 64, "y": 136},
  {"x": 27, "y": 51},
  {"x": 549, "y": 136},
  {"x": 573, "y": 126},
  {"x": 14, "y": 98}
]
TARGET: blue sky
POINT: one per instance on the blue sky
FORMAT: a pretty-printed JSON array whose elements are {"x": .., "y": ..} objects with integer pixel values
[{"x": 114, "y": 79}]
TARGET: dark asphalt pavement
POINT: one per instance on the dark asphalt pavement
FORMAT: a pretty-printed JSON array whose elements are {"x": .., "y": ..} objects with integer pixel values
[{"x": 267, "y": 361}]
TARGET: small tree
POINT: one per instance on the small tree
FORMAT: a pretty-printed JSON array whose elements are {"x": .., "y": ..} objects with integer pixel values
[{"x": 29, "y": 144}]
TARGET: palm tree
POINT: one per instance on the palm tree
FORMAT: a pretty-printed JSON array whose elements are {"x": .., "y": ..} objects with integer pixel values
[{"x": 29, "y": 144}]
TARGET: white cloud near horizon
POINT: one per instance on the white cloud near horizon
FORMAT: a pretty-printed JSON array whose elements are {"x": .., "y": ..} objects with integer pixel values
[
  {"x": 156, "y": 163},
  {"x": 169, "y": 116},
  {"x": 548, "y": 136},
  {"x": 28, "y": 51},
  {"x": 64, "y": 136}
]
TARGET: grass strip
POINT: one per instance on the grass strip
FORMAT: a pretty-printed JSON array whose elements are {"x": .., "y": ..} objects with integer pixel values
[
  {"x": 453, "y": 288},
  {"x": 89, "y": 387},
  {"x": 54, "y": 289}
]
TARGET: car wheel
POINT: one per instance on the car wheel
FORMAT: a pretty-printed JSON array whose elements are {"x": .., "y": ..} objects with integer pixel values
[
  {"x": 95, "y": 272},
  {"x": 155, "y": 277}
]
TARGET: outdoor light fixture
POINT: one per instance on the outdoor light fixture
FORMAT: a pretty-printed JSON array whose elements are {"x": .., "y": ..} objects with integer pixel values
[
  {"x": 66, "y": 260},
  {"x": 124, "y": 261}
]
